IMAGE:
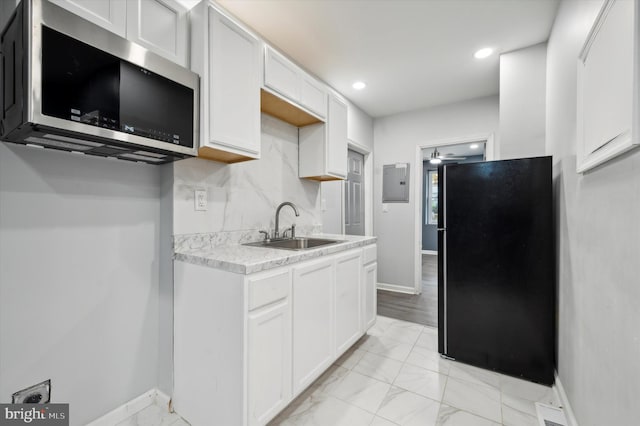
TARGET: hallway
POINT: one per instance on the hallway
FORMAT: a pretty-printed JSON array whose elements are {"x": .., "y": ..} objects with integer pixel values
[{"x": 421, "y": 308}]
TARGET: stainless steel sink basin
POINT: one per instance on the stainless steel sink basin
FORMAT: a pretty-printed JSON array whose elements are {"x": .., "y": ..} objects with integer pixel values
[{"x": 294, "y": 243}]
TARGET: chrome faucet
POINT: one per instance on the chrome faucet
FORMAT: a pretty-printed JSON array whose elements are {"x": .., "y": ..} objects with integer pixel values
[{"x": 276, "y": 232}]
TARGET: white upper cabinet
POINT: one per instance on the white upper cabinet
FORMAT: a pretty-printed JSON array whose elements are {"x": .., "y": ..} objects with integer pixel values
[
  {"x": 313, "y": 95},
  {"x": 281, "y": 75},
  {"x": 228, "y": 59},
  {"x": 109, "y": 14},
  {"x": 323, "y": 146},
  {"x": 337, "y": 144},
  {"x": 161, "y": 26},
  {"x": 287, "y": 79}
]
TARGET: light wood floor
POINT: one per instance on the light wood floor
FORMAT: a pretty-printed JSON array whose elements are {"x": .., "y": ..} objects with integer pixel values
[{"x": 421, "y": 308}]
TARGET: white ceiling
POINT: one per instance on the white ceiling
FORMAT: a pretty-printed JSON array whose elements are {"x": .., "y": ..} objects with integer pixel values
[{"x": 411, "y": 53}]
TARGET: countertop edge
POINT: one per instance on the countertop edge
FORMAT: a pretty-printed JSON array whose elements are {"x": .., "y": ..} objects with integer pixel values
[{"x": 288, "y": 257}]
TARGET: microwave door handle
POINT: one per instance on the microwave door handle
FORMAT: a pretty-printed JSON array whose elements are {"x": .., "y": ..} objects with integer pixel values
[{"x": 2, "y": 82}]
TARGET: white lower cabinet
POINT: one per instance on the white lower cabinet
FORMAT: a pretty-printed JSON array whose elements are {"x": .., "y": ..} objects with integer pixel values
[
  {"x": 370, "y": 300},
  {"x": 369, "y": 286},
  {"x": 312, "y": 317},
  {"x": 268, "y": 362},
  {"x": 348, "y": 323},
  {"x": 246, "y": 345}
]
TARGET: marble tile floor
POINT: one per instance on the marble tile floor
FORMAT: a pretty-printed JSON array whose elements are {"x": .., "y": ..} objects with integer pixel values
[
  {"x": 395, "y": 376},
  {"x": 153, "y": 415}
]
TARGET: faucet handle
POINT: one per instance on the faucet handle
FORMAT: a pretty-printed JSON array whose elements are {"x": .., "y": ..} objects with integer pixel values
[
  {"x": 292, "y": 230},
  {"x": 266, "y": 234}
]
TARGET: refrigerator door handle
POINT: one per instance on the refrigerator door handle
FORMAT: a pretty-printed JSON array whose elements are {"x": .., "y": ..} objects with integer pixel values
[{"x": 444, "y": 258}]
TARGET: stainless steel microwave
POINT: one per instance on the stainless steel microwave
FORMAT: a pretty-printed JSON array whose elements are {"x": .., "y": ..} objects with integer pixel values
[{"x": 70, "y": 85}]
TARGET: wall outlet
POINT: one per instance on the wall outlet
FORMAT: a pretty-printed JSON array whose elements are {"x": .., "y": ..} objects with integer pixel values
[
  {"x": 36, "y": 394},
  {"x": 200, "y": 196}
]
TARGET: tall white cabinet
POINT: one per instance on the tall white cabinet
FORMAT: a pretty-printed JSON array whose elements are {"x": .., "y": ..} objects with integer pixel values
[{"x": 228, "y": 58}]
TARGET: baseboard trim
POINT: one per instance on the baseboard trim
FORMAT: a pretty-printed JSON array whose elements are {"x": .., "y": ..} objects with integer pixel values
[
  {"x": 121, "y": 413},
  {"x": 564, "y": 400},
  {"x": 430, "y": 252},
  {"x": 396, "y": 288}
]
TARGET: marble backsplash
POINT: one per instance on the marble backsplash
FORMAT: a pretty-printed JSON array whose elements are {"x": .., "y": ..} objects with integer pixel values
[{"x": 242, "y": 198}]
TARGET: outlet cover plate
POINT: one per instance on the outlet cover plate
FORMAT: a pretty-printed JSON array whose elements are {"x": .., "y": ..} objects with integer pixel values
[
  {"x": 36, "y": 394},
  {"x": 200, "y": 197}
]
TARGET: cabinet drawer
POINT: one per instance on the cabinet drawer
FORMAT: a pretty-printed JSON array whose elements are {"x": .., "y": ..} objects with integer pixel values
[
  {"x": 267, "y": 289},
  {"x": 370, "y": 254}
]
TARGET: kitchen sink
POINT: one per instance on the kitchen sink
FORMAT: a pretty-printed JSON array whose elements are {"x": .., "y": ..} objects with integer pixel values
[{"x": 299, "y": 243}]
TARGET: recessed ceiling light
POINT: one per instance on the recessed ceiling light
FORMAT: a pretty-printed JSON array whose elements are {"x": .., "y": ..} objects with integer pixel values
[
  {"x": 474, "y": 146},
  {"x": 483, "y": 53},
  {"x": 359, "y": 85}
]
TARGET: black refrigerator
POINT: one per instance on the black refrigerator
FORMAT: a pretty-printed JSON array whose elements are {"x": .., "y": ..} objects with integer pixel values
[{"x": 496, "y": 267}]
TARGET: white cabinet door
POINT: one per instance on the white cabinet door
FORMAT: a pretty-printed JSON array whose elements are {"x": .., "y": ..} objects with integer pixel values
[
  {"x": 161, "y": 26},
  {"x": 369, "y": 298},
  {"x": 233, "y": 82},
  {"x": 337, "y": 138},
  {"x": 109, "y": 14},
  {"x": 312, "y": 302},
  {"x": 281, "y": 75},
  {"x": 313, "y": 95},
  {"x": 268, "y": 362},
  {"x": 348, "y": 302}
]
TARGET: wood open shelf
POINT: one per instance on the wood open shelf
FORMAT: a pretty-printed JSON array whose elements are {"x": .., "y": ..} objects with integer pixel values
[{"x": 285, "y": 111}]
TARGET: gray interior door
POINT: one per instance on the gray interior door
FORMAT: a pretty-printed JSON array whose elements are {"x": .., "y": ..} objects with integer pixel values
[{"x": 354, "y": 195}]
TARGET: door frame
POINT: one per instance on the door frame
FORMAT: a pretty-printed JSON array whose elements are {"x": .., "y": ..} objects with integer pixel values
[
  {"x": 368, "y": 190},
  {"x": 418, "y": 177}
]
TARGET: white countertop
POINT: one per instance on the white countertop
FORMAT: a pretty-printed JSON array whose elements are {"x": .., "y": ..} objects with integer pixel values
[{"x": 248, "y": 260}]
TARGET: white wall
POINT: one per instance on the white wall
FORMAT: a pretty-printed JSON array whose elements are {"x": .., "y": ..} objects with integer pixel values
[
  {"x": 359, "y": 131},
  {"x": 79, "y": 267},
  {"x": 522, "y": 102},
  {"x": 598, "y": 237},
  {"x": 395, "y": 140},
  {"x": 6, "y": 9},
  {"x": 244, "y": 196}
]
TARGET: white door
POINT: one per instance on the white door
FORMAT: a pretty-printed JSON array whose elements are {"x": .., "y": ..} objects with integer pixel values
[
  {"x": 354, "y": 194},
  {"x": 312, "y": 321},
  {"x": 348, "y": 300}
]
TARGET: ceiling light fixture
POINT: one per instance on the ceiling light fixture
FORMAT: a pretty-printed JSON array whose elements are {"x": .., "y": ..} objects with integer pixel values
[
  {"x": 474, "y": 146},
  {"x": 434, "y": 157},
  {"x": 359, "y": 85},
  {"x": 483, "y": 53}
]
